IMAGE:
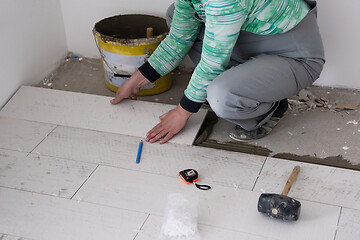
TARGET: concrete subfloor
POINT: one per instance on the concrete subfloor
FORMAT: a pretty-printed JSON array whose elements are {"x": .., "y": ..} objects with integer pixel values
[{"x": 322, "y": 135}]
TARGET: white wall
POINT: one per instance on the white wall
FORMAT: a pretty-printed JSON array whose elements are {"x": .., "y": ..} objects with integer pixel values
[
  {"x": 80, "y": 17},
  {"x": 338, "y": 22},
  {"x": 339, "y": 25},
  {"x": 32, "y": 43}
]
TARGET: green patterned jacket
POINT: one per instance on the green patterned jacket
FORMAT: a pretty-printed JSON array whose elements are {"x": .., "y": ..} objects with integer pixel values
[{"x": 223, "y": 21}]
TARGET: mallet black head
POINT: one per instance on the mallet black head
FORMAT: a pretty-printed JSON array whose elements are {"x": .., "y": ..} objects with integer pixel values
[{"x": 279, "y": 206}]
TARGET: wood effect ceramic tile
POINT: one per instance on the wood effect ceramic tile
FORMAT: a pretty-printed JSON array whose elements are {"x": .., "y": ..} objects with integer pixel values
[
  {"x": 349, "y": 225},
  {"x": 214, "y": 166},
  {"x": 39, "y": 216},
  {"x": 152, "y": 230},
  {"x": 315, "y": 182},
  {"x": 41, "y": 174},
  {"x": 133, "y": 118},
  {"x": 9, "y": 237},
  {"x": 221, "y": 207},
  {"x": 21, "y": 135}
]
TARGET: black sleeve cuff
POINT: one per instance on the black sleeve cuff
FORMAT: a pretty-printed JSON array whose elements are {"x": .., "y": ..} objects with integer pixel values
[
  {"x": 149, "y": 72},
  {"x": 189, "y": 105}
]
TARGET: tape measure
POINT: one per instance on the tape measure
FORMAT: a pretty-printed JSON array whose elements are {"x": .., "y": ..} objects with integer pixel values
[{"x": 191, "y": 176}]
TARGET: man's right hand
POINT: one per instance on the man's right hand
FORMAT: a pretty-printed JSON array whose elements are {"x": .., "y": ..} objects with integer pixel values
[{"x": 130, "y": 88}]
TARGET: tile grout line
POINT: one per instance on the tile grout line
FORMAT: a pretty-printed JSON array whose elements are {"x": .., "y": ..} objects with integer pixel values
[
  {"x": 42, "y": 140},
  {"x": 337, "y": 225},
  {"x": 14, "y": 150},
  {"x": 257, "y": 178},
  {"x": 85, "y": 181},
  {"x": 2, "y": 235},
  {"x": 237, "y": 231},
  {"x": 141, "y": 226},
  {"x": 33, "y": 192},
  {"x": 65, "y": 198}
]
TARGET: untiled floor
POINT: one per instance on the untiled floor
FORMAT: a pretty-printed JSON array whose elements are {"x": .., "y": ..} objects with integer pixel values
[{"x": 68, "y": 171}]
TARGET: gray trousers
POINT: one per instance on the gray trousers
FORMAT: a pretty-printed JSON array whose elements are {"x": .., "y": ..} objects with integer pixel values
[{"x": 263, "y": 70}]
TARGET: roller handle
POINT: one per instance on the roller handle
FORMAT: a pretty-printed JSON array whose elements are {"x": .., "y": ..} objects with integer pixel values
[{"x": 291, "y": 180}]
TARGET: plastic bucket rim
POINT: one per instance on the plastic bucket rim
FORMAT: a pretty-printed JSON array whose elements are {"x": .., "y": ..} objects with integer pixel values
[
  {"x": 125, "y": 41},
  {"x": 129, "y": 42}
]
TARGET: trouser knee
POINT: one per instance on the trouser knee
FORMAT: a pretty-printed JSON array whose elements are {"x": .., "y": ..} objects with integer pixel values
[
  {"x": 234, "y": 104},
  {"x": 217, "y": 99}
]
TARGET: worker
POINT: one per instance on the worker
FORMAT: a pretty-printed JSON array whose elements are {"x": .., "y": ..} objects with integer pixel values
[{"x": 250, "y": 56}]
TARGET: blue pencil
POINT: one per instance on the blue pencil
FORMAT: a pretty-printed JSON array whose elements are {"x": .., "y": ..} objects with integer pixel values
[{"x": 139, "y": 152}]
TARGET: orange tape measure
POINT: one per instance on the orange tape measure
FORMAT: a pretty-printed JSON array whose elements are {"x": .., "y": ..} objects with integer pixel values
[{"x": 191, "y": 176}]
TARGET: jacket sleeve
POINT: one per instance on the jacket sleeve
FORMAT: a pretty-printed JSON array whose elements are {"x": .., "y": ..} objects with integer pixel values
[
  {"x": 224, "y": 19},
  {"x": 183, "y": 32}
]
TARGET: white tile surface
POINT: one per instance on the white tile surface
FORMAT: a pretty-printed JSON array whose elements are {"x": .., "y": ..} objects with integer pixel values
[
  {"x": 214, "y": 166},
  {"x": 152, "y": 229},
  {"x": 315, "y": 182},
  {"x": 44, "y": 217},
  {"x": 21, "y": 135},
  {"x": 47, "y": 175},
  {"x": 132, "y": 118},
  {"x": 221, "y": 206},
  {"x": 95, "y": 132},
  {"x": 349, "y": 225},
  {"x": 8, "y": 237}
]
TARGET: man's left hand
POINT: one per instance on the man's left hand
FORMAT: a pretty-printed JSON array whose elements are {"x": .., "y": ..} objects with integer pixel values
[{"x": 171, "y": 123}]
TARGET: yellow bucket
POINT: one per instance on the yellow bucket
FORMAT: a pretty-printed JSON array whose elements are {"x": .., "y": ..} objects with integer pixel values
[{"x": 124, "y": 46}]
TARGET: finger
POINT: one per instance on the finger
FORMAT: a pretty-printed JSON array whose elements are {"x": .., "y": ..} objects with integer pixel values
[
  {"x": 163, "y": 116},
  {"x": 153, "y": 132},
  {"x": 150, "y": 132},
  {"x": 158, "y": 136},
  {"x": 132, "y": 97},
  {"x": 161, "y": 134},
  {"x": 167, "y": 138},
  {"x": 116, "y": 100}
]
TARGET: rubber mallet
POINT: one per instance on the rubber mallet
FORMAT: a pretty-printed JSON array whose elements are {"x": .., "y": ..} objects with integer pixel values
[{"x": 281, "y": 206}]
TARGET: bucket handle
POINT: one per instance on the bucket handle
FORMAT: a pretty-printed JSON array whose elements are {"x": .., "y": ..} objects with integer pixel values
[
  {"x": 103, "y": 57},
  {"x": 148, "y": 54}
]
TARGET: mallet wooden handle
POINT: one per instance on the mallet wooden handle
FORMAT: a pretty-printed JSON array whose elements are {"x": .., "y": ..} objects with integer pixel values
[{"x": 291, "y": 180}]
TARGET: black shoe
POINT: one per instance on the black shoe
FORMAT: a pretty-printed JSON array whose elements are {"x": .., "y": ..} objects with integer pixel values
[
  {"x": 277, "y": 115},
  {"x": 281, "y": 109}
]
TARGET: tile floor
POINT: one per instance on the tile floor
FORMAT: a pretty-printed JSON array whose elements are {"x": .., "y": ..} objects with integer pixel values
[
  {"x": 322, "y": 135},
  {"x": 68, "y": 171}
]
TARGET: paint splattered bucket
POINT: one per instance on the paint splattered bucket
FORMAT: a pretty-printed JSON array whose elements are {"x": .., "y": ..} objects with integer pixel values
[{"x": 124, "y": 46}]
